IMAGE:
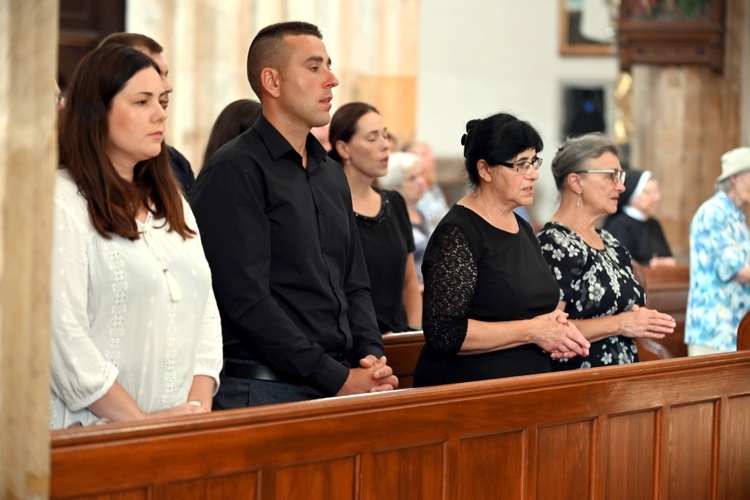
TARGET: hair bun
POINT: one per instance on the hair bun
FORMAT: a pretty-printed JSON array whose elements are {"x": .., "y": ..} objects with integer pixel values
[{"x": 463, "y": 139}]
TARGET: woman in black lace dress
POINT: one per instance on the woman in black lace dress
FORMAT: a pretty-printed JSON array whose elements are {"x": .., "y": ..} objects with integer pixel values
[
  {"x": 597, "y": 286},
  {"x": 490, "y": 304}
]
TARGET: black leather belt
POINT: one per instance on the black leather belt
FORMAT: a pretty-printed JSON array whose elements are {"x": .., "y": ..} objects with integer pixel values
[{"x": 251, "y": 371}]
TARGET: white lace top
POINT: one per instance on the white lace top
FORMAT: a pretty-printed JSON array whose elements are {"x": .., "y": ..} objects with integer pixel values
[{"x": 140, "y": 312}]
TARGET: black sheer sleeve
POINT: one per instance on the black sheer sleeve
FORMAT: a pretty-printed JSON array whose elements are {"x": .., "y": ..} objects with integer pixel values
[{"x": 450, "y": 280}]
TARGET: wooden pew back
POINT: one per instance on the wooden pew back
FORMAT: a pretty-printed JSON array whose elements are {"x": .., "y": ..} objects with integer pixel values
[
  {"x": 669, "y": 429},
  {"x": 402, "y": 351},
  {"x": 667, "y": 292}
]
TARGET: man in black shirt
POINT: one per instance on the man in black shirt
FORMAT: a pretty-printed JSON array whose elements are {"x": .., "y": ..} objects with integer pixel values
[
  {"x": 180, "y": 165},
  {"x": 277, "y": 226}
]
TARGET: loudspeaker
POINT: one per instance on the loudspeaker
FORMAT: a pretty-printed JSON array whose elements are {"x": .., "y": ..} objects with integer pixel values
[{"x": 584, "y": 111}]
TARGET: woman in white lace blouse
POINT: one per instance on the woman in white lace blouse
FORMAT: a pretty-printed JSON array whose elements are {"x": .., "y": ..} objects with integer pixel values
[{"x": 135, "y": 328}]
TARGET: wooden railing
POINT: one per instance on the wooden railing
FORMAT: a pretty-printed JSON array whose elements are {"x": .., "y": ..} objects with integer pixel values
[
  {"x": 667, "y": 292},
  {"x": 667, "y": 429},
  {"x": 402, "y": 351}
]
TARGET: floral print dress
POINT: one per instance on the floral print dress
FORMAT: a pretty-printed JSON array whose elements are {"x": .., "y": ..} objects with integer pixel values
[{"x": 593, "y": 283}]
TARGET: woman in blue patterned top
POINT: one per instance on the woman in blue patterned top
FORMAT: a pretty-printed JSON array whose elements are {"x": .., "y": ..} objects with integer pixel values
[
  {"x": 597, "y": 287},
  {"x": 720, "y": 261}
]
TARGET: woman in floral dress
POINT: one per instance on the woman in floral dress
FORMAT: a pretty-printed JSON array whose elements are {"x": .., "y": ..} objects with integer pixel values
[{"x": 593, "y": 270}]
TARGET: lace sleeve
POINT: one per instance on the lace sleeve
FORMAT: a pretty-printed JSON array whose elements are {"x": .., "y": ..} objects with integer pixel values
[{"x": 450, "y": 278}]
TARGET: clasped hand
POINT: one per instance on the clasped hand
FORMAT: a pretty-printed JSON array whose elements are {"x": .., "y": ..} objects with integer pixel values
[
  {"x": 559, "y": 337},
  {"x": 373, "y": 375}
]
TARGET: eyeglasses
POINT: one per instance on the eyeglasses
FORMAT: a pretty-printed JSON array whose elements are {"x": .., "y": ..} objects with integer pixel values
[
  {"x": 522, "y": 167},
  {"x": 614, "y": 175}
]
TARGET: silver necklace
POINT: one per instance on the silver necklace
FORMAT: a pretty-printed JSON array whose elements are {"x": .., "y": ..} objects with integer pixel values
[{"x": 488, "y": 213}]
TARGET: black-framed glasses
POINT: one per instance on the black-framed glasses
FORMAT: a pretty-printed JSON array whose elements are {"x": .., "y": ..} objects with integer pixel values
[
  {"x": 613, "y": 174},
  {"x": 522, "y": 167}
]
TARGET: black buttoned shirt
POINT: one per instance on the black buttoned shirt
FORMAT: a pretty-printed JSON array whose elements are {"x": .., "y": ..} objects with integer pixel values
[{"x": 286, "y": 261}]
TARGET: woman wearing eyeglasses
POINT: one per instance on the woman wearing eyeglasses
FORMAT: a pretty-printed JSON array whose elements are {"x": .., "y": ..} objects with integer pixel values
[
  {"x": 597, "y": 287},
  {"x": 490, "y": 303}
]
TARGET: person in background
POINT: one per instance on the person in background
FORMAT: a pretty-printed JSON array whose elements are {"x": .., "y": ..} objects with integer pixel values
[
  {"x": 594, "y": 271},
  {"x": 279, "y": 233},
  {"x": 634, "y": 224},
  {"x": 180, "y": 165},
  {"x": 433, "y": 204},
  {"x": 719, "y": 293},
  {"x": 359, "y": 139},
  {"x": 321, "y": 134},
  {"x": 405, "y": 175},
  {"x": 490, "y": 303},
  {"x": 59, "y": 98},
  {"x": 233, "y": 120},
  {"x": 135, "y": 328}
]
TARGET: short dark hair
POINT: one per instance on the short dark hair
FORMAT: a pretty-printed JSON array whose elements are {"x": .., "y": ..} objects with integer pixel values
[
  {"x": 344, "y": 124},
  {"x": 496, "y": 139},
  {"x": 574, "y": 154},
  {"x": 234, "y": 119},
  {"x": 267, "y": 48},
  {"x": 133, "y": 40}
]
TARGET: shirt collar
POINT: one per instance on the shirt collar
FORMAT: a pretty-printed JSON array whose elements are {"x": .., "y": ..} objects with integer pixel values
[
  {"x": 725, "y": 200},
  {"x": 278, "y": 146}
]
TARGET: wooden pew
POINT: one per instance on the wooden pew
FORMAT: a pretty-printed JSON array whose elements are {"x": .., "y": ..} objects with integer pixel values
[
  {"x": 402, "y": 351},
  {"x": 666, "y": 291},
  {"x": 668, "y": 429},
  {"x": 743, "y": 333}
]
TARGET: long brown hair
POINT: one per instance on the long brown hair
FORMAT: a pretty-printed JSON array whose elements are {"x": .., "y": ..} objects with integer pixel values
[{"x": 84, "y": 137}]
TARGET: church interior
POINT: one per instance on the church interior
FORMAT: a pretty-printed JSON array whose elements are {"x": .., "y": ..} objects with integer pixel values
[{"x": 671, "y": 88}]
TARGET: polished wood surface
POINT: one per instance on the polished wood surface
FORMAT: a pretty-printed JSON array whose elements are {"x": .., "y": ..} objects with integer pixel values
[
  {"x": 667, "y": 292},
  {"x": 665, "y": 429},
  {"x": 402, "y": 351}
]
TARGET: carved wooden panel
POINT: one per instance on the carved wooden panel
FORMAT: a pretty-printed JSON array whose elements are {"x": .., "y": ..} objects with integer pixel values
[
  {"x": 492, "y": 466},
  {"x": 413, "y": 472},
  {"x": 564, "y": 462},
  {"x": 671, "y": 33},
  {"x": 631, "y": 449},
  {"x": 738, "y": 454},
  {"x": 83, "y": 24},
  {"x": 236, "y": 486},
  {"x": 318, "y": 480},
  {"x": 691, "y": 439}
]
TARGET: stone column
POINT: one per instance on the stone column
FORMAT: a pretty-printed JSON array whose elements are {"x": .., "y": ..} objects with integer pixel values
[{"x": 28, "y": 157}]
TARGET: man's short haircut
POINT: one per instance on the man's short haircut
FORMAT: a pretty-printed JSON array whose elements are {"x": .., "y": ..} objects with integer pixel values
[
  {"x": 267, "y": 48},
  {"x": 133, "y": 40}
]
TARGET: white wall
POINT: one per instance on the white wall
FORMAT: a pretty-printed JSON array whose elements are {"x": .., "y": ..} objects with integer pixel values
[{"x": 479, "y": 57}]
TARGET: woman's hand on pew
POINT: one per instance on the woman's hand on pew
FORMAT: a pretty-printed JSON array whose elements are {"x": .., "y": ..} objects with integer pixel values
[
  {"x": 641, "y": 322},
  {"x": 373, "y": 375},
  {"x": 190, "y": 408}
]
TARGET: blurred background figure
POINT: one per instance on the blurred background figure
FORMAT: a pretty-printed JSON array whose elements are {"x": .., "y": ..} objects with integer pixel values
[
  {"x": 433, "y": 204},
  {"x": 360, "y": 144},
  {"x": 634, "y": 224},
  {"x": 719, "y": 294},
  {"x": 59, "y": 98},
  {"x": 406, "y": 175},
  {"x": 321, "y": 134},
  {"x": 233, "y": 120}
]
